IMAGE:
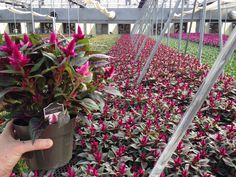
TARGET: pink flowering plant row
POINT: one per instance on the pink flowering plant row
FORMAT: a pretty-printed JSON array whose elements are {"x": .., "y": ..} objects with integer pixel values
[
  {"x": 130, "y": 134},
  {"x": 127, "y": 138},
  {"x": 209, "y": 39},
  {"x": 35, "y": 72}
]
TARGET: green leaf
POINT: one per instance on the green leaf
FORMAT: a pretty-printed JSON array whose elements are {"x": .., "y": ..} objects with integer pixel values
[
  {"x": 7, "y": 81},
  {"x": 70, "y": 71},
  {"x": 7, "y": 90},
  {"x": 50, "y": 56},
  {"x": 37, "y": 65},
  {"x": 36, "y": 128},
  {"x": 78, "y": 61},
  {"x": 113, "y": 91},
  {"x": 9, "y": 71},
  {"x": 3, "y": 54},
  {"x": 63, "y": 118},
  {"x": 95, "y": 96},
  {"x": 23, "y": 48},
  {"x": 42, "y": 46},
  {"x": 100, "y": 56},
  {"x": 89, "y": 104}
]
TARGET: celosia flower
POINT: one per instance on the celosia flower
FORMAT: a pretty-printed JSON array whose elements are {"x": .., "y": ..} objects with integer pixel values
[
  {"x": 122, "y": 169},
  {"x": 79, "y": 34},
  {"x": 70, "y": 49},
  {"x": 17, "y": 60},
  {"x": 109, "y": 72},
  {"x": 98, "y": 156},
  {"x": 8, "y": 46},
  {"x": 70, "y": 172},
  {"x": 178, "y": 161},
  {"x": 84, "y": 70},
  {"x": 27, "y": 41},
  {"x": 53, "y": 38}
]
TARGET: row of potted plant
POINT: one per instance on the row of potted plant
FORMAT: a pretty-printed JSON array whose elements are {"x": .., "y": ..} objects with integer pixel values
[
  {"x": 127, "y": 138},
  {"x": 209, "y": 38}
]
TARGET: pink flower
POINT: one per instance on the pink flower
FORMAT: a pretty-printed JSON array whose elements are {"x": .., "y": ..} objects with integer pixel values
[
  {"x": 8, "y": 46},
  {"x": 70, "y": 172},
  {"x": 27, "y": 41},
  {"x": 109, "y": 72},
  {"x": 184, "y": 173},
  {"x": 223, "y": 151},
  {"x": 122, "y": 169},
  {"x": 53, "y": 119},
  {"x": 144, "y": 141},
  {"x": 98, "y": 156},
  {"x": 70, "y": 49},
  {"x": 79, "y": 34},
  {"x": 53, "y": 38},
  {"x": 17, "y": 60},
  {"x": 84, "y": 69},
  {"x": 178, "y": 161}
]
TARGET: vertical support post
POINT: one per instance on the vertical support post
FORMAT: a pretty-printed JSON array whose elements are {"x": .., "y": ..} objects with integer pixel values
[
  {"x": 54, "y": 17},
  {"x": 168, "y": 35},
  {"x": 189, "y": 31},
  {"x": 68, "y": 18},
  {"x": 196, "y": 104},
  {"x": 220, "y": 24},
  {"x": 32, "y": 16},
  {"x": 181, "y": 26},
  {"x": 202, "y": 30}
]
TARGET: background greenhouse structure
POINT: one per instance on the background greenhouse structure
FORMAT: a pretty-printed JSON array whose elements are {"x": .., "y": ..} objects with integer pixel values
[{"x": 174, "y": 113}]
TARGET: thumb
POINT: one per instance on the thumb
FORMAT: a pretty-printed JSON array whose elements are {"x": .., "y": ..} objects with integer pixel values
[{"x": 39, "y": 144}]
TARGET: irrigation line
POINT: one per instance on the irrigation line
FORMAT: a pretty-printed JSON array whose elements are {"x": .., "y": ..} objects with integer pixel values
[
  {"x": 220, "y": 24},
  {"x": 168, "y": 34},
  {"x": 196, "y": 104},
  {"x": 157, "y": 43},
  {"x": 181, "y": 26},
  {"x": 202, "y": 30},
  {"x": 189, "y": 31}
]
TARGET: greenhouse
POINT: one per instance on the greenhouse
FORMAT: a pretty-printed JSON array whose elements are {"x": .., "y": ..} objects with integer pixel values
[{"x": 133, "y": 88}]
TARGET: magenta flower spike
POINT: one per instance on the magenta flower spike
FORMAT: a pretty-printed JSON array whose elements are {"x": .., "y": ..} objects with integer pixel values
[
  {"x": 70, "y": 172},
  {"x": 8, "y": 44},
  {"x": 79, "y": 34},
  {"x": 84, "y": 70},
  {"x": 27, "y": 40},
  {"x": 17, "y": 60},
  {"x": 53, "y": 38},
  {"x": 70, "y": 49}
]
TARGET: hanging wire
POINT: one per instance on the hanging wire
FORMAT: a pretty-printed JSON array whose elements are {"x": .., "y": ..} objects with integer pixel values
[
  {"x": 168, "y": 35},
  {"x": 14, "y": 16},
  {"x": 220, "y": 24},
  {"x": 202, "y": 30},
  {"x": 190, "y": 28},
  {"x": 68, "y": 18},
  {"x": 181, "y": 26}
]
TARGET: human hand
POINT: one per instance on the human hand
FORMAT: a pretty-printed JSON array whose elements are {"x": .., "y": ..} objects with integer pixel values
[{"x": 11, "y": 149}]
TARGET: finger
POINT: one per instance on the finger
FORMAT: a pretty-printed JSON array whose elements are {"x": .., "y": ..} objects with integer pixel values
[
  {"x": 39, "y": 144},
  {"x": 8, "y": 130}
]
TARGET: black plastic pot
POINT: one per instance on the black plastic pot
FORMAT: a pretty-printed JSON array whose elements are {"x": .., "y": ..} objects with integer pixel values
[{"x": 58, "y": 155}]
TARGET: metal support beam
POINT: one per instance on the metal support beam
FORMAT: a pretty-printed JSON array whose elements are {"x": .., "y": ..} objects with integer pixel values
[
  {"x": 196, "y": 104},
  {"x": 202, "y": 30},
  {"x": 143, "y": 72}
]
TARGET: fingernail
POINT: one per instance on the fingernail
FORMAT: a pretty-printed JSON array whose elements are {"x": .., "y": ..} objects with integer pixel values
[{"x": 49, "y": 143}]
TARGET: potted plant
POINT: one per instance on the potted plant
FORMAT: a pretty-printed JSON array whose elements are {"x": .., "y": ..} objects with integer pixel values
[{"x": 45, "y": 84}]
